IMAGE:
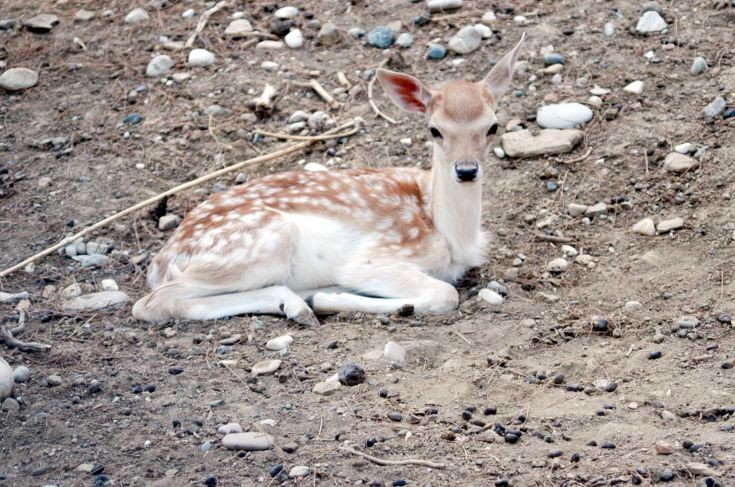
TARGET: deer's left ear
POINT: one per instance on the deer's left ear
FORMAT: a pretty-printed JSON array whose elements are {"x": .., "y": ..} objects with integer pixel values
[
  {"x": 406, "y": 91},
  {"x": 498, "y": 79}
]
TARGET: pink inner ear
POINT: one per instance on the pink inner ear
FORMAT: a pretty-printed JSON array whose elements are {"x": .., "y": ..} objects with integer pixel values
[{"x": 408, "y": 89}]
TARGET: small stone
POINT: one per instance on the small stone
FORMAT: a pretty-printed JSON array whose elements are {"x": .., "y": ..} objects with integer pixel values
[
  {"x": 596, "y": 210},
  {"x": 569, "y": 251},
  {"x": 575, "y": 209},
  {"x": 438, "y": 5},
  {"x": 717, "y": 106},
  {"x": 523, "y": 143},
  {"x": 609, "y": 29},
  {"x": 132, "y": 119},
  {"x": 229, "y": 428},
  {"x": 605, "y": 385},
  {"x": 288, "y": 12},
  {"x": 667, "y": 416},
  {"x": 636, "y": 88},
  {"x": 467, "y": 40},
  {"x": 279, "y": 343},
  {"x": 251, "y": 441},
  {"x": 326, "y": 388},
  {"x": 679, "y": 163},
  {"x": 701, "y": 469},
  {"x": 189, "y": 13},
  {"x": 381, "y": 37},
  {"x": 238, "y": 28},
  {"x": 328, "y": 35},
  {"x": 699, "y": 66},
  {"x": 563, "y": 115},
  {"x": 395, "y": 416},
  {"x": 671, "y": 224},
  {"x": 315, "y": 167},
  {"x": 436, "y": 51},
  {"x": 294, "y": 39},
  {"x": 664, "y": 448},
  {"x": 21, "y": 374},
  {"x": 608, "y": 445},
  {"x": 16, "y": 79},
  {"x": 168, "y": 222},
  {"x": 41, "y": 23},
  {"x": 491, "y": 297},
  {"x": 96, "y": 301},
  {"x": 651, "y": 22},
  {"x": 668, "y": 475},
  {"x": 351, "y": 374},
  {"x": 553, "y": 58},
  {"x": 200, "y": 58},
  {"x": 393, "y": 352},
  {"x": 655, "y": 355},
  {"x": 489, "y": 17},
  {"x": 83, "y": 15},
  {"x": 269, "y": 66},
  {"x": 557, "y": 266},
  {"x": 92, "y": 261},
  {"x": 265, "y": 367},
  {"x": 10, "y": 405},
  {"x": 405, "y": 40},
  {"x": 136, "y": 15},
  {"x": 684, "y": 148},
  {"x": 53, "y": 380},
  {"x": 645, "y": 227},
  {"x": 109, "y": 285},
  {"x": 485, "y": 31},
  {"x": 158, "y": 66},
  {"x": 299, "y": 471},
  {"x": 356, "y": 32}
]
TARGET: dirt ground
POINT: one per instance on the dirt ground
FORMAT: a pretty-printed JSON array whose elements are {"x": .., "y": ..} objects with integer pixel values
[{"x": 475, "y": 358}]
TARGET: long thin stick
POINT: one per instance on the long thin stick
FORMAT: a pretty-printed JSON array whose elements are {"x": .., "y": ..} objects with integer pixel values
[
  {"x": 11, "y": 341},
  {"x": 328, "y": 98},
  {"x": 203, "y": 22},
  {"x": 301, "y": 137},
  {"x": 337, "y": 132},
  {"x": 385, "y": 463}
]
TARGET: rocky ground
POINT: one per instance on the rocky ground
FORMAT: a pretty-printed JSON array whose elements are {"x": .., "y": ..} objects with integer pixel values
[{"x": 595, "y": 347}]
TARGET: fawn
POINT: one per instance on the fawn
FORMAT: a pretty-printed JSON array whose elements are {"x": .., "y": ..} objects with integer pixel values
[{"x": 371, "y": 240}]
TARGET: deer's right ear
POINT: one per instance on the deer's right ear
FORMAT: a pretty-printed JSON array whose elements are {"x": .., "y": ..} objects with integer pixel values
[
  {"x": 498, "y": 79},
  {"x": 406, "y": 91}
]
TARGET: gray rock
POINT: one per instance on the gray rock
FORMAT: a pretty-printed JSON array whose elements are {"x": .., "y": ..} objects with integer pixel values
[
  {"x": 609, "y": 29},
  {"x": 467, "y": 40},
  {"x": 287, "y": 12},
  {"x": 251, "y": 441},
  {"x": 651, "y": 22},
  {"x": 136, "y": 15},
  {"x": 357, "y": 32},
  {"x": 636, "y": 87},
  {"x": 438, "y": 5},
  {"x": 279, "y": 343},
  {"x": 41, "y": 22},
  {"x": 7, "y": 382},
  {"x": 717, "y": 106},
  {"x": 10, "y": 405},
  {"x": 238, "y": 28},
  {"x": 16, "y": 79},
  {"x": 168, "y": 222},
  {"x": 382, "y": 37},
  {"x": 563, "y": 115},
  {"x": 326, "y": 388},
  {"x": 200, "y": 57},
  {"x": 679, "y": 163},
  {"x": 645, "y": 227},
  {"x": 404, "y": 40},
  {"x": 54, "y": 380},
  {"x": 699, "y": 66},
  {"x": 328, "y": 35},
  {"x": 96, "y": 301},
  {"x": 652, "y": 7},
  {"x": 13, "y": 297},
  {"x": 557, "y": 266},
  {"x": 92, "y": 261},
  {"x": 265, "y": 367},
  {"x": 83, "y": 15},
  {"x": 229, "y": 428},
  {"x": 21, "y": 374},
  {"x": 491, "y": 297},
  {"x": 298, "y": 471},
  {"x": 523, "y": 143},
  {"x": 671, "y": 224},
  {"x": 596, "y": 210}
]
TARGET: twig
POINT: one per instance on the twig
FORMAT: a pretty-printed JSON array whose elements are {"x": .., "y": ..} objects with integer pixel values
[
  {"x": 386, "y": 463},
  {"x": 553, "y": 238},
  {"x": 11, "y": 341},
  {"x": 316, "y": 86},
  {"x": 203, "y": 22},
  {"x": 337, "y": 132},
  {"x": 372, "y": 102},
  {"x": 580, "y": 158},
  {"x": 462, "y": 337},
  {"x": 301, "y": 137}
]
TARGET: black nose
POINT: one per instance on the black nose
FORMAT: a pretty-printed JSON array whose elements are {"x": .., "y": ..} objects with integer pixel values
[{"x": 466, "y": 170}]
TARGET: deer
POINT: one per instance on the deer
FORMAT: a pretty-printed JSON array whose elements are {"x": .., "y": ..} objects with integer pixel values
[{"x": 300, "y": 244}]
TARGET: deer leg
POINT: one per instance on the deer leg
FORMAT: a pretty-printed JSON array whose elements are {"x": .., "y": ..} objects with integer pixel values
[{"x": 386, "y": 289}]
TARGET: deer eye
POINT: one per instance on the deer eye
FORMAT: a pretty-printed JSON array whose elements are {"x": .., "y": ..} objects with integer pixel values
[
  {"x": 493, "y": 130},
  {"x": 435, "y": 132}
]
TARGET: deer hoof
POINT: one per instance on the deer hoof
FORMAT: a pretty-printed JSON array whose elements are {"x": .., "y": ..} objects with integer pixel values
[{"x": 305, "y": 317}]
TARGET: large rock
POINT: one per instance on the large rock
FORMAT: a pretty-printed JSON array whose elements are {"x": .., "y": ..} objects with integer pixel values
[
  {"x": 96, "y": 301},
  {"x": 563, "y": 115},
  {"x": 7, "y": 381},
  {"x": 251, "y": 441},
  {"x": 16, "y": 79},
  {"x": 523, "y": 143},
  {"x": 679, "y": 163}
]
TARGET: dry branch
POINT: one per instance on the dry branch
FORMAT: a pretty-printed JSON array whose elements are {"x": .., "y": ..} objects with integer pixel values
[
  {"x": 203, "y": 22},
  {"x": 329, "y": 99},
  {"x": 385, "y": 463},
  {"x": 12, "y": 341}
]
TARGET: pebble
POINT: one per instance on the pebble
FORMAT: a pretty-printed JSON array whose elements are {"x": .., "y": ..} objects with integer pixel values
[
  {"x": 489, "y": 17},
  {"x": 109, "y": 285},
  {"x": 356, "y": 32},
  {"x": 279, "y": 343},
  {"x": 679, "y": 163},
  {"x": 294, "y": 39},
  {"x": 238, "y": 28},
  {"x": 7, "y": 380},
  {"x": 41, "y": 22},
  {"x": 96, "y": 301},
  {"x": 189, "y": 14},
  {"x": 394, "y": 353},
  {"x": 636, "y": 87},
  {"x": 667, "y": 416},
  {"x": 159, "y": 65},
  {"x": 609, "y": 29},
  {"x": 287, "y": 12},
  {"x": 315, "y": 167},
  {"x": 605, "y": 385},
  {"x": 557, "y": 266},
  {"x": 265, "y": 367},
  {"x": 269, "y": 66},
  {"x": 523, "y": 143},
  {"x": 200, "y": 57},
  {"x": 92, "y": 261},
  {"x": 699, "y": 66},
  {"x": 16, "y": 79},
  {"x": 326, "y": 388},
  {"x": 229, "y": 428},
  {"x": 21, "y": 374},
  {"x": 53, "y": 380},
  {"x": 83, "y": 15},
  {"x": 328, "y": 35},
  {"x": 436, "y": 51},
  {"x": 575, "y": 209},
  {"x": 668, "y": 475},
  {"x": 650, "y": 22},
  {"x": 608, "y": 445},
  {"x": 655, "y": 355},
  {"x": 466, "y": 40},
  {"x": 10, "y": 405},
  {"x": 717, "y": 106},
  {"x": 298, "y": 471},
  {"x": 351, "y": 374},
  {"x": 395, "y": 416},
  {"x": 702, "y": 469},
  {"x": 381, "y": 37},
  {"x": 664, "y": 448},
  {"x": 168, "y": 222},
  {"x": 136, "y": 15},
  {"x": 553, "y": 58},
  {"x": 645, "y": 227},
  {"x": 405, "y": 40},
  {"x": 491, "y": 297},
  {"x": 671, "y": 224},
  {"x": 684, "y": 148},
  {"x": 563, "y": 115},
  {"x": 251, "y": 441},
  {"x": 132, "y": 119},
  {"x": 438, "y": 5}
]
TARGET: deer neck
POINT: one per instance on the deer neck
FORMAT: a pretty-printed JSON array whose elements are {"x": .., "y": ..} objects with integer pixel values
[{"x": 456, "y": 210}]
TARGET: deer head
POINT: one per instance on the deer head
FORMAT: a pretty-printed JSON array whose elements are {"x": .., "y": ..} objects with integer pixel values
[{"x": 460, "y": 115}]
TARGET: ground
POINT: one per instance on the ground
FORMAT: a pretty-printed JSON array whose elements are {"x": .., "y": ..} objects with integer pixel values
[{"x": 477, "y": 357}]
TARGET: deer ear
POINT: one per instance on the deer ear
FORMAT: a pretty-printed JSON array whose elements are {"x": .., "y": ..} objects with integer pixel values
[
  {"x": 406, "y": 91},
  {"x": 498, "y": 79}
]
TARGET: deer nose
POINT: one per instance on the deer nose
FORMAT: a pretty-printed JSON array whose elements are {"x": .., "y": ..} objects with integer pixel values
[{"x": 466, "y": 170}]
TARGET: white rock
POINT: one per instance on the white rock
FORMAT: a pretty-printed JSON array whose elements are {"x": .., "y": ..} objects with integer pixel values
[
  {"x": 645, "y": 227},
  {"x": 596, "y": 210},
  {"x": 315, "y": 167},
  {"x": 522, "y": 143},
  {"x": 279, "y": 343},
  {"x": 651, "y": 22},
  {"x": 609, "y": 29},
  {"x": 159, "y": 65},
  {"x": 168, "y": 222},
  {"x": 569, "y": 251},
  {"x": 251, "y": 441},
  {"x": 269, "y": 66},
  {"x": 229, "y": 428},
  {"x": 699, "y": 66},
  {"x": 499, "y": 152},
  {"x": 298, "y": 116},
  {"x": 576, "y": 209},
  {"x": 238, "y": 28},
  {"x": 405, "y": 40},
  {"x": 679, "y": 163},
  {"x": 7, "y": 381},
  {"x": 83, "y": 15},
  {"x": 597, "y": 91},
  {"x": 16, "y": 79},
  {"x": 633, "y": 305},
  {"x": 326, "y": 388},
  {"x": 520, "y": 19},
  {"x": 269, "y": 45},
  {"x": 71, "y": 291},
  {"x": 557, "y": 265},
  {"x": 467, "y": 40},
  {"x": 180, "y": 77},
  {"x": 437, "y": 5},
  {"x": 189, "y": 14},
  {"x": 485, "y": 31},
  {"x": 406, "y": 141},
  {"x": 109, "y": 285},
  {"x": 393, "y": 352},
  {"x": 201, "y": 57},
  {"x": 636, "y": 87},
  {"x": 489, "y": 17},
  {"x": 294, "y": 39},
  {"x": 670, "y": 224},
  {"x": 684, "y": 148},
  {"x": 595, "y": 101},
  {"x": 95, "y": 301},
  {"x": 265, "y": 367},
  {"x": 136, "y": 15},
  {"x": 585, "y": 259},
  {"x": 299, "y": 471},
  {"x": 490, "y": 296},
  {"x": 563, "y": 115},
  {"x": 288, "y": 12}
]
